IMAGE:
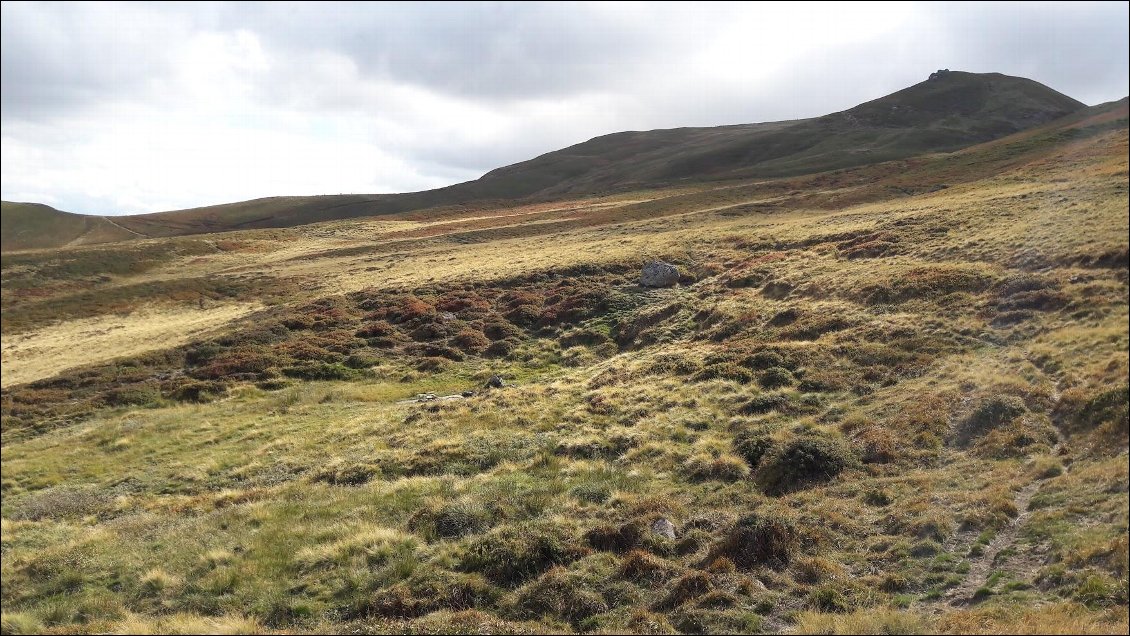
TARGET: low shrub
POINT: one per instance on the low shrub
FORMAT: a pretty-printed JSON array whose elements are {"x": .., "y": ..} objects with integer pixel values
[
  {"x": 432, "y": 331},
  {"x": 189, "y": 390},
  {"x": 989, "y": 414},
  {"x": 1087, "y": 411},
  {"x": 376, "y": 329},
  {"x": 302, "y": 350},
  {"x": 583, "y": 337},
  {"x": 688, "y": 587},
  {"x": 933, "y": 281},
  {"x": 765, "y": 403},
  {"x": 518, "y": 552},
  {"x": 673, "y": 364},
  {"x": 501, "y": 330},
  {"x": 561, "y": 594},
  {"x": 785, "y": 317},
  {"x": 760, "y": 539},
  {"x": 406, "y": 309},
  {"x": 615, "y": 538},
  {"x": 592, "y": 492},
  {"x": 763, "y": 360},
  {"x": 361, "y": 361},
  {"x": 430, "y": 590},
  {"x": 141, "y": 394},
  {"x": 639, "y": 565},
  {"x": 459, "y": 302},
  {"x": 321, "y": 371},
  {"x": 753, "y": 446},
  {"x": 471, "y": 340},
  {"x": 500, "y": 348},
  {"x": 722, "y": 468},
  {"x": 878, "y": 445},
  {"x": 806, "y": 459},
  {"x": 776, "y": 377},
  {"x": 430, "y": 350},
  {"x": 724, "y": 371},
  {"x": 828, "y": 598},
  {"x": 346, "y": 474},
  {"x": 239, "y": 362},
  {"x": 524, "y": 316}
]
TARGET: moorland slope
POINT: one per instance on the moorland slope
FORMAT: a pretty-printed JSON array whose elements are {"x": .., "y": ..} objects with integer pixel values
[{"x": 888, "y": 398}]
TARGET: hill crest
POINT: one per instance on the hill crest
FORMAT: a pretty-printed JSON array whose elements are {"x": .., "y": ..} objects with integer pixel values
[{"x": 949, "y": 111}]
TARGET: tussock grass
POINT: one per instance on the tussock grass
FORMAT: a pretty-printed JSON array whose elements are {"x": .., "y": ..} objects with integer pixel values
[{"x": 856, "y": 407}]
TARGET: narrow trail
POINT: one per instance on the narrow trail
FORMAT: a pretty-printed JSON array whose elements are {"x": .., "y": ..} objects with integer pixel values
[
  {"x": 122, "y": 227},
  {"x": 981, "y": 568},
  {"x": 78, "y": 240}
]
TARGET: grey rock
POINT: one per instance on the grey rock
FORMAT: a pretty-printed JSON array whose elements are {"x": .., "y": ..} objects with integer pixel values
[
  {"x": 495, "y": 382},
  {"x": 659, "y": 274},
  {"x": 663, "y": 528}
]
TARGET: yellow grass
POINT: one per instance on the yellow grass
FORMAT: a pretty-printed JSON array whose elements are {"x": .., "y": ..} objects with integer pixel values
[
  {"x": 45, "y": 352},
  {"x": 1058, "y": 618}
]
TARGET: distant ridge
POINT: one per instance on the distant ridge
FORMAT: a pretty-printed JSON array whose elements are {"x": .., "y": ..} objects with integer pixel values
[
  {"x": 26, "y": 226},
  {"x": 949, "y": 111}
]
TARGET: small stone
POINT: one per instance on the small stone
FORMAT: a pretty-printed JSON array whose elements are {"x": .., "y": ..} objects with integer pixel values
[
  {"x": 659, "y": 274},
  {"x": 495, "y": 382},
  {"x": 468, "y": 394},
  {"x": 663, "y": 528}
]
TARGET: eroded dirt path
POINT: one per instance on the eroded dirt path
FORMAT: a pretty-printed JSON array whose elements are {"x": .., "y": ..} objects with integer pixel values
[
  {"x": 993, "y": 557},
  {"x": 981, "y": 567}
]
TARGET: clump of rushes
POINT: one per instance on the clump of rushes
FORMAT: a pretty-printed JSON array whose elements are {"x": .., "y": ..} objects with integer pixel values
[{"x": 450, "y": 519}]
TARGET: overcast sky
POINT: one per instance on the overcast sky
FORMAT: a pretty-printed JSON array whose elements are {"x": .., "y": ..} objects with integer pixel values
[{"x": 124, "y": 108}]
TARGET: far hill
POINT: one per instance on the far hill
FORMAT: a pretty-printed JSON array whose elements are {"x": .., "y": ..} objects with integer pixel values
[
  {"x": 25, "y": 226},
  {"x": 949, "y": 111}
]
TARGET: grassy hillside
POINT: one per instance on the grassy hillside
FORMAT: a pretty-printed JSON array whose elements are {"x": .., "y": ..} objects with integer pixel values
[
  {"x": 952, "y": 111},
  {"x": 25, "y": 226},
  {"x": 882, "y": 399}
]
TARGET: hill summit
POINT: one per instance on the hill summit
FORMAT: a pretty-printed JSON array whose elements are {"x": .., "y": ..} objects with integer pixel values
[
  {"x": 951, "y": 110},
  {"x": 948, "y": 111}
]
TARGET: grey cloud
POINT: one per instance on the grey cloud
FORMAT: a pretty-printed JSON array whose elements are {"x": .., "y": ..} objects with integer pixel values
[
  {"x": 605, "y": 67},
  {"x": 485, "y": 51},
  {"x": 55, "y": 57},
  {"x": 1077, "y": 48}
]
